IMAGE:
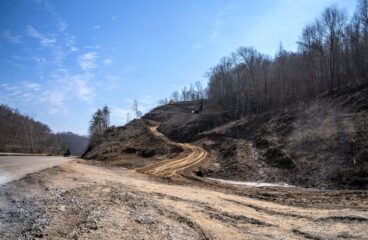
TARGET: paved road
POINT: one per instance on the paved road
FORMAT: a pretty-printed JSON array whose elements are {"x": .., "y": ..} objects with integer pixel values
[{"x": 16, "y": 167}]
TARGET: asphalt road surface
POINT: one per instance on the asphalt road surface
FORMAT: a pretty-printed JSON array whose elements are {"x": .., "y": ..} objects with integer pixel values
[{"x": 16, "y": 167}]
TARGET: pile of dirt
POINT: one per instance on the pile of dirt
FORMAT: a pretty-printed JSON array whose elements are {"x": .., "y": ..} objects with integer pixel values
[{"x": 131, "y": 146}]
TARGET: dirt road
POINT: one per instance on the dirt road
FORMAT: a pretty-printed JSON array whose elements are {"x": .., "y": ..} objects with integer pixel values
[
  {"x": 175, "y": 167},
  {"x": 16, "y": 167},
  {"x": 88, "y": 200}
]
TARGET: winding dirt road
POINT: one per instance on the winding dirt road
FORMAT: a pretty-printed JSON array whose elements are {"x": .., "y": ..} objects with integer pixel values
[
  {"x": 84, "y": 200},
  {"x": 175, "y": 167}
]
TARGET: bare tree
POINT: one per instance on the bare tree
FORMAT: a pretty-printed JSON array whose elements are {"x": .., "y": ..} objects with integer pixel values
[
  {"x": 175, "y": 96},
  {"x": 332, "y": 52},
  {"x": 127, "y": 117},
  {"x": 135, "y": 109}
]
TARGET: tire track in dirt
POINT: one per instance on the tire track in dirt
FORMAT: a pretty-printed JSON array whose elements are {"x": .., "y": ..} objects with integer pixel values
[{"x": 174, "y": 167}]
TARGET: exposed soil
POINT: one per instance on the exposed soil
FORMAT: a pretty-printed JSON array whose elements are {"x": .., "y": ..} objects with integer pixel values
[
  {"x": 182, "y": 165},
  {"x": 132, "y": 146},
  {"x": 79, "y": 200}
]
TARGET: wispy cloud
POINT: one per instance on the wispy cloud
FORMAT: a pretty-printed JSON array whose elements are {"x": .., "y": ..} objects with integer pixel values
[
  {"x": 92, "y": 47},
  {"x": 44, "y": 41},
  {"x": 115, "y": 17},
  {"x": 70, "y": 42},
  {"x": 33, "y": 86},
  {"x": 87, "y": 61},
  {"x": 220, "y": 21},
  {"x": 216, "y": 28},
  {"x": 62, "y": 24},
  {"x": 107, "y": 61},
  {"x": 54, "y": 94},
  {"x": 196, "y": 46},
  {"x": 83, "y": 90},
  {"x": 96, "y": 27},
  {"x": 7, "y": 35}
]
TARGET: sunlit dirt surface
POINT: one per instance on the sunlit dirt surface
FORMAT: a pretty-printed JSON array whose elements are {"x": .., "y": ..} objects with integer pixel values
[
  {"x": 79, "y": 200},
  {"x": 178, "y": 166}
]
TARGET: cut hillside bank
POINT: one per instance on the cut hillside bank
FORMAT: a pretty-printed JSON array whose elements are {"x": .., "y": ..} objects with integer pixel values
[{"x": 319, "y": 143}]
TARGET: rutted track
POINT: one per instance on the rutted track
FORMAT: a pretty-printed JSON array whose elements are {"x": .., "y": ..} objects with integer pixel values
[
  {"x": 175, "y": 167},
  {"x": 94, "y": 202}
]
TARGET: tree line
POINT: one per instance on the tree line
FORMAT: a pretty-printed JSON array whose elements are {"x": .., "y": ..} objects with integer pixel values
[
  {"x": 23, "y": 134},
  {"x": 192, "y": 93},
  {"x": 332, "y": 53}
]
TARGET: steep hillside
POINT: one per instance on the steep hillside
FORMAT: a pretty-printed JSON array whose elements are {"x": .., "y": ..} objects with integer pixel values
[
  {"x": 179, "y": 123},
  {"x": 76, "y": 143},
  {"x": 20, "y": 133},
  {"x": 131, "y": 146},
  {"x": 319, "y": 143}
]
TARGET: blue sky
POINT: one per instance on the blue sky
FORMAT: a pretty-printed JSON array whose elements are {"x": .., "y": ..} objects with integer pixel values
[{"x": 61, "y": 60}]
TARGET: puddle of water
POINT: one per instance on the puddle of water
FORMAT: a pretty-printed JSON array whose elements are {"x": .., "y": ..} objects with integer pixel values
[{"x": 252, "y": 184}]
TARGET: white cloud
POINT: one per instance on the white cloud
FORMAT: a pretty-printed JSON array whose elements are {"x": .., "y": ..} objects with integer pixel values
[
  {"x": 62, "y": 25},
  {"x": 114, "y": 17},
  {"x": 82, "y": 89},
  {"x": 44, "y": 41},
  {"x": 96, "y": 26},
  {"x": 88, "y": 60},
  {"x": 216, "y": 28},
  {"x": 55, "y": 98},
  {"x": 220, "y": 21},
  {"x": 11, "y": 38},
  {"x": 33, "y": 86},
  {"x": 70, "y": 42},
  {"x": 107, "y": 61},
  {"x": 92, "y": 47}
]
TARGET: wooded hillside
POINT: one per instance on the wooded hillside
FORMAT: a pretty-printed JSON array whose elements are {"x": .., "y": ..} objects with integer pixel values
[
  {"x": 23, "y": 134},
  {"x": 333, "y": 53}
]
